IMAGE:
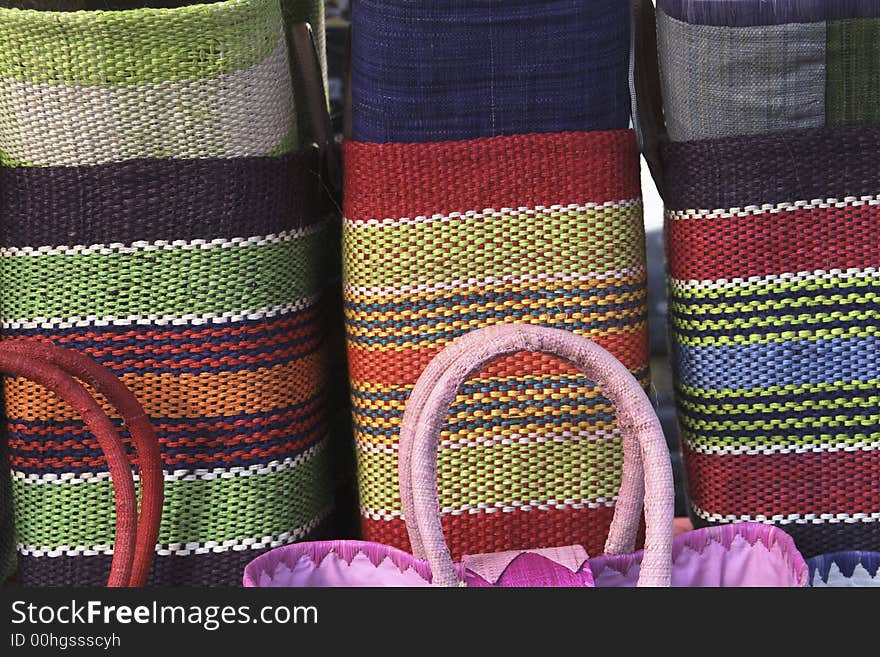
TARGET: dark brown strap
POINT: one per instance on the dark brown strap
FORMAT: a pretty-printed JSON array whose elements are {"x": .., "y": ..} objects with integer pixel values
[
  {"x": 649, "y": 97},
  {"x": 311, "y": 95}
]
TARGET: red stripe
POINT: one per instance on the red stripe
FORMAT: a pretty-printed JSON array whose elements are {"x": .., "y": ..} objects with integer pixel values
[
  {"x": 774, "y": 243},
  {"x": 200, "y": 459},
  {"x": 301, "y": 322},
  {"x": 402, "y": 368},
  {"x": 407, "y": 180},
  {"x": 495, "y": 532},
  {"x": 838, "y": 482}
]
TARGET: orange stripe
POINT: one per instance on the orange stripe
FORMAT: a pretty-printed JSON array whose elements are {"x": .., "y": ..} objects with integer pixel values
[
  {"x": 403, "y": 367},
  {"x": 186, "y": 395}
]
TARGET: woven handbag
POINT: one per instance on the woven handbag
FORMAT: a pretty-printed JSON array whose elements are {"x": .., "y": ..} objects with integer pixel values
[
  {"x": 60, "y": 372},
  {"x": 465, "y": 209},
  {"x": 164, "y": 216},
  {"x": 845, "y": 570},
  {"x": 738, "y": 555},
  {"x": 773, "y": 237}
]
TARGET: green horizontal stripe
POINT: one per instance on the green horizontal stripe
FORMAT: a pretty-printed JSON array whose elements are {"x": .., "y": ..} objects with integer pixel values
[
  {"x": 584, "y": 470},
  {"x": 787, "y": 322},
  {"x": 841, "y": 387},
  {"x": 172, "y": 282},
  {"x": 814, "y": 304},
  {"x": 516, "y": 243},
  {"x": 818, "y": 421},
  {"x": 792, "y": 334},
  {"x": 120, "y": 48},
  {"x": 799, "y": 405},
  {"x": 256, "y": 506},
  {"x": 736, "y": 293},
  {"x": 777, "y": 440}
]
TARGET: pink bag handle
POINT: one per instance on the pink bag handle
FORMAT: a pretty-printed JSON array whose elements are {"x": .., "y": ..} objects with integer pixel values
[{"x": 647, "y": 472}]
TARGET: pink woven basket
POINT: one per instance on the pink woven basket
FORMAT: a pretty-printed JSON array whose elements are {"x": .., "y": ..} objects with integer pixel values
[{"x": 733, "y": 555}]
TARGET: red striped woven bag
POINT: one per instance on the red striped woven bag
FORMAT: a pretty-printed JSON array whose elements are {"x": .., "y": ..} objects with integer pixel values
[
  {"x": 773, "y": 244},
  {"x": 444, "y": 237}
]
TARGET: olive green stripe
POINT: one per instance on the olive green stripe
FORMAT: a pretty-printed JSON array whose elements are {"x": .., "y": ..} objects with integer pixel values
[
  {"x": 121, "y": 48},
  {"x": 796, "y": 405},
  {"x": 853, "y": 85},
  {"x": 166, "y": 282},
  {"x": 83, "y": 514},
  {"x": 515, "y": 243},
  {"x": 704, "y": 440},
  {"x": 814, "y": 304},
  {"x": 739, "y": 294},
  {"x": 818, "y": 421},
  {"x": 583, "y": 470},
  {"x": 787, "y": 333}
]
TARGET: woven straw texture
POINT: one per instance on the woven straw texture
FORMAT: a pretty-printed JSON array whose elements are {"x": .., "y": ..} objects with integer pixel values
[
  {"x": 722, "y": 81},
  {"x": 854, "y": 72},
  {"x": 444, "y": 238},
  {"x": 463, "y": 69},
  {"x": 744, "y": 13},
  {"x": 774, "y": 249},
  {"x": 741, "y": 67},
  {"x": 158, "y": 217}
]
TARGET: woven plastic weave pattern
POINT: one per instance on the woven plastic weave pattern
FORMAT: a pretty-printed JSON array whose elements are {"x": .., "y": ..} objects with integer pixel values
[
  {"x": 463, "y": 69},
  {"x": 774, "y": 249},
  {"x": 444, "y": 238},
  {"x": 159, "y": 217}
]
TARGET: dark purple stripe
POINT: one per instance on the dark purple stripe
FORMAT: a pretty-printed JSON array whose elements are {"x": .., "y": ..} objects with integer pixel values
[
  {"x": 796, "y": 165},
  {"x": 160, "y": 199},
  {"x": 822, "y": 539},
  {"x": 743, "y": 13},
  {"x": 223, "y": 569}
]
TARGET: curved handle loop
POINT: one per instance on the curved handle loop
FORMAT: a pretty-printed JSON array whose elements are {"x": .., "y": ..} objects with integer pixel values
[
  {"x": 149, "y": 459},
  {"x": 647, "y": 475},
  {"x": 61, "y": 383}
]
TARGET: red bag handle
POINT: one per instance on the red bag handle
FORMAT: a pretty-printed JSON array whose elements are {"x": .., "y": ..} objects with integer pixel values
[
  {"x": 57, "y": 370},
  {"x": 149, "y": 460}
]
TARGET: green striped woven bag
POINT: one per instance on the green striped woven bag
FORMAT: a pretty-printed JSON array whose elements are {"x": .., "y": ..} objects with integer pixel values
[{"x": 160, "y": 215}]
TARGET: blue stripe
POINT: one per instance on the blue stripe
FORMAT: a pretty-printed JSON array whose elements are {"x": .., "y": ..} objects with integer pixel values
[
  {"x": 483, "y": 315},
  {"x": 426, "y": 305},
  {"x": 497, "y": 423},
  {"x": 778, "y": 364}
]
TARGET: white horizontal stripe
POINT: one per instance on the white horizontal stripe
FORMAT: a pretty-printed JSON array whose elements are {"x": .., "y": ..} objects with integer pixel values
[
  {"x": 163, "y": 245},
  {"x": 490, "y": 281},
  {"x": 757, "y": 210},
  {"x": 245, "y": 113},
  {"x": 766, "y": 450},
  {"x": 492, "y": 441},
  {"x": 183, "y": 549},
  {"x": 161, "y": 320},
  {"x": 793, "y": 518},
  {"x": 492, "y": 213},
  {"x": 501, "y": 507},
  {"x": 760, "y": 281},
  {"x": 199, "y": 474}
]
